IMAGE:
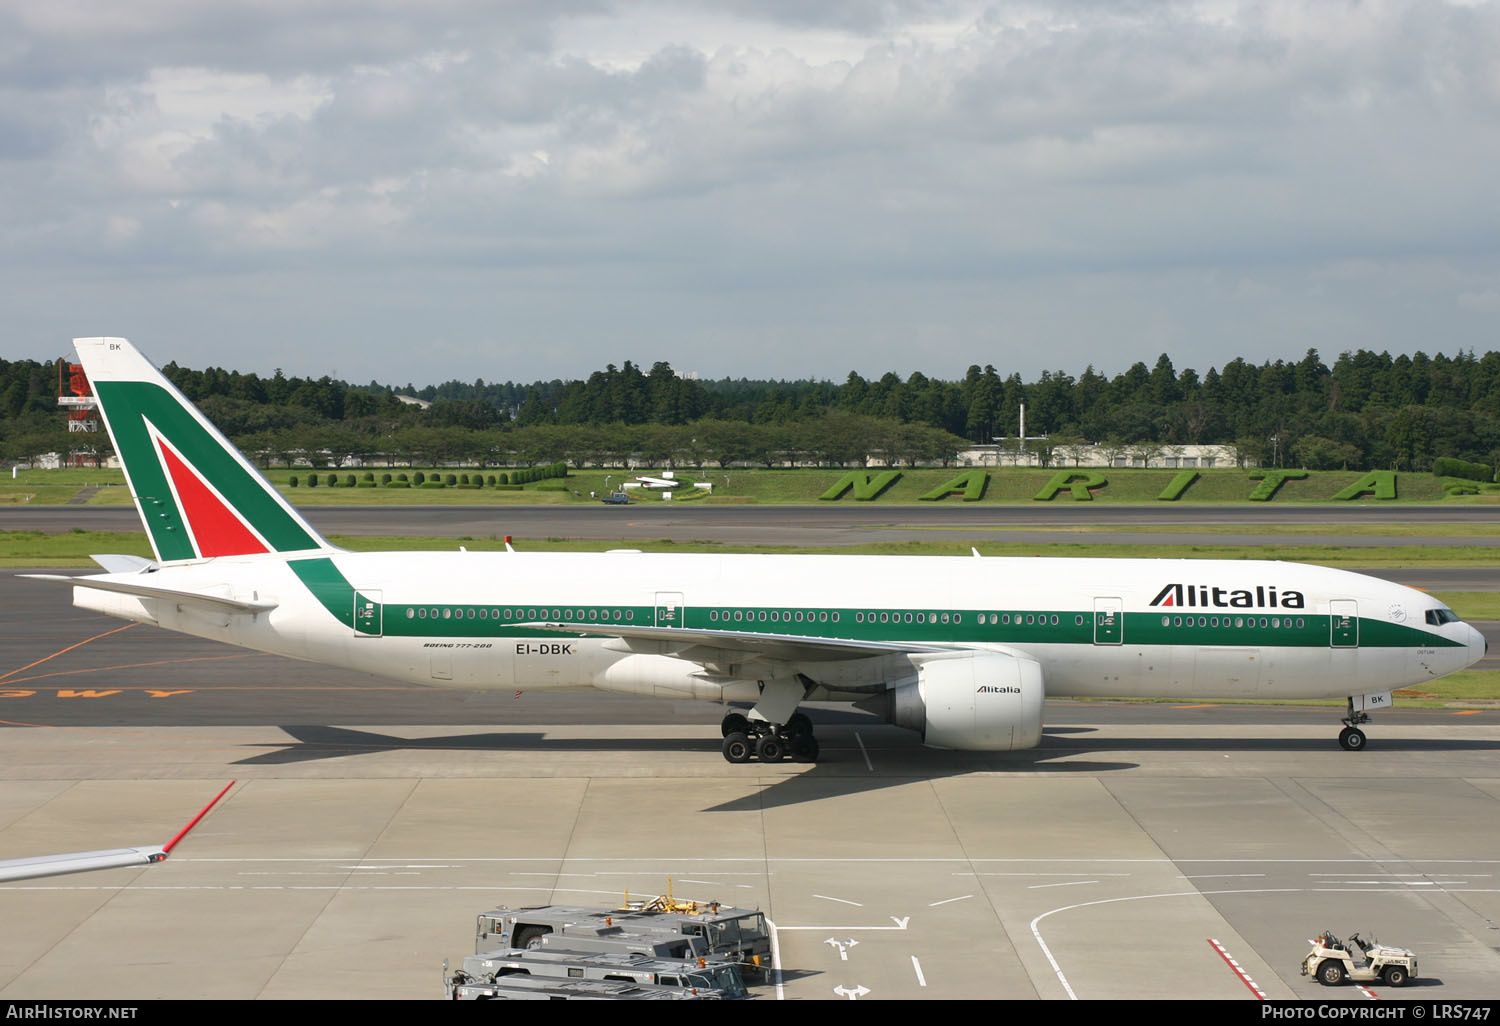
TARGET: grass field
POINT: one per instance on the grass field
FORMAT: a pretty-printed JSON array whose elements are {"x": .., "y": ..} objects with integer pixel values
[
  {"x": 72, "y": 548},
  {"x": 54, "y": 487}
]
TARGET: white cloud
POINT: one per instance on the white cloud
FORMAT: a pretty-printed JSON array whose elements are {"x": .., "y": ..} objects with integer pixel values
[{"x": 816, "y": 184}]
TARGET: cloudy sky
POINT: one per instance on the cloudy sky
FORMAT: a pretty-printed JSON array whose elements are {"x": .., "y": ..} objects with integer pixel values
[{"x": 522, "y": 189}]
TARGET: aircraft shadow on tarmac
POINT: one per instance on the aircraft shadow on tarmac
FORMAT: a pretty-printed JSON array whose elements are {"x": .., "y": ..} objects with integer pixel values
[
  {"x": 843, "y": 769},
  {"x": 310, "y": 743}
]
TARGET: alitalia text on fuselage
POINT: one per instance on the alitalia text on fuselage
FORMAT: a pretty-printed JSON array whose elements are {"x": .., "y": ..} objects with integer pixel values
[{"x": 1213, "y": 596}]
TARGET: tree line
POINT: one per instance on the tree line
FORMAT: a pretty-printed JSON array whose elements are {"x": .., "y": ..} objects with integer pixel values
[{"x": 1367, "y": 410}]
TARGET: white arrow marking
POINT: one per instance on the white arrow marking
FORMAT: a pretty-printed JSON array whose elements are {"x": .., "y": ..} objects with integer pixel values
[
  {"x": 843, "y": 946},
  {"x": 852, "y": 995}
]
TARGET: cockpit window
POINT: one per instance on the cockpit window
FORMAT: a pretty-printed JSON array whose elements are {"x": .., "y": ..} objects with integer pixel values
[{"x": 1438, "y": 617}]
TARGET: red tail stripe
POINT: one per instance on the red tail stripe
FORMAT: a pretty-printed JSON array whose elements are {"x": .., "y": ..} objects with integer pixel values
[{"x": 216, "y": 529}]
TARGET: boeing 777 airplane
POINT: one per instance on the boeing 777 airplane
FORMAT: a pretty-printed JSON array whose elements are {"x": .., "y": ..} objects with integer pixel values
[{"x": 962, "y": 650}]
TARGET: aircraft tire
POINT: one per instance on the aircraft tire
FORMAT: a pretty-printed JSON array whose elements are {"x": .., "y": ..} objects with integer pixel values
[
  {"x": 805, "y": 748},
  {"x": 770, "y": 749},
  {"x": 1352, "y": 739},
  {"x": 737, "y": 748}
]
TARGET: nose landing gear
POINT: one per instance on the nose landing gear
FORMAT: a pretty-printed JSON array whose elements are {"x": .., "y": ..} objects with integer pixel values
[{"x": 1351, "y": 738}]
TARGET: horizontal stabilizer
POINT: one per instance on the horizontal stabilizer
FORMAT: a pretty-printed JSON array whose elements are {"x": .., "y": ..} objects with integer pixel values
[
  {"x": 131, "y": 587},
  {"x": 117, "y": 563}
]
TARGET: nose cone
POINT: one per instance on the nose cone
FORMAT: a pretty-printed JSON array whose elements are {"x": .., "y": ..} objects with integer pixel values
[{"x": 1477, "y": 645}]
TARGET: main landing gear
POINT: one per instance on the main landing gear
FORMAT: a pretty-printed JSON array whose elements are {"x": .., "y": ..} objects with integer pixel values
[
  {"x": 1351, "y": 738},
  {"x": 768, "y": 742}
]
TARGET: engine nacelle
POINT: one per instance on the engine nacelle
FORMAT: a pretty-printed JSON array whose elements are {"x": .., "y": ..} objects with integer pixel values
[{"x": 984, "y": 703}]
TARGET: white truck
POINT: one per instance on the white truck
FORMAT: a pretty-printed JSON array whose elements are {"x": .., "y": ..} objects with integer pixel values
[{"x": 1333, "y": 961}]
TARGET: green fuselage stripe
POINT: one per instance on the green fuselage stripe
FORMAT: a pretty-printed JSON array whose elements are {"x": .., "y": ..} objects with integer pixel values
[{"x": 1278, "y": 629}]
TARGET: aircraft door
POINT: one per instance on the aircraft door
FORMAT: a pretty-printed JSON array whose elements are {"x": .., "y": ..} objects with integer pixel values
[
  {"x": 669, "y": 611},
  {"x": 1343, "y": 623},
  {"x": 1109, "y": 621},
  {"x": 367, "y": 613}
]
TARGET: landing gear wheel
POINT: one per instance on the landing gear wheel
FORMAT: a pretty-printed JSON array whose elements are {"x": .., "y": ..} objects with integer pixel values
[
  {"x": 737, "y": 748},
  {"x": 805, "y": 747},
  {"x": 734, "y": 723},
  {"x": 1395, "y": 975},
  {"x": 799, "y": 724},
  {"x": 1330, "y": 973},
  {"x": 770, "y": 748},
  {"x": 1352, "y": 739}
]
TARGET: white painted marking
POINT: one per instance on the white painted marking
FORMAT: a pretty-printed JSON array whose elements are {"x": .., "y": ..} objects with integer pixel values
[
  {"x": 841, "y": 901},
  {"x": 852, "y": 995},
  {"x": 1065, "y": 883},
  {"x": 843, "y": 946},
  {"x": 1045, "y": 874},
  {"x": 1376, "y": 872},
  {"x": 1238, "y": 969},
  {"x": 1050, "y": 960},
  {"x": 862, "y": 751},
  {"x": 901, "y": 923},
  {"x": 917, "y": 967},
  {"x": 713, "y": 883},
  {"x": 945, "y": 901},
  {"x": 1217, "y": 876},
  {"x": 964, "y": 860},
  {"x": 776, "y": 958}
]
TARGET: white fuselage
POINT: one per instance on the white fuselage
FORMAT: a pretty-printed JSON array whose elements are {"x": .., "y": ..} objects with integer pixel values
[{"x": 1097, "y": 627}]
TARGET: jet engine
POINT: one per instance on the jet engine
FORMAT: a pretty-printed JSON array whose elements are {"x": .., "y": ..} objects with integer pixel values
[{"x": 982, "y": 702}]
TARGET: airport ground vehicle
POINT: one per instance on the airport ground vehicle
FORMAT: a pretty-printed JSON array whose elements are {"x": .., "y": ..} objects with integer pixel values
[
  {"x": 662, "y": 928},
  {"x": 708, "y": 979},
  {"x": 616, "y": 499},
  {"x": 533, "y": 988},
  {"x": 1333, "y": 961}
]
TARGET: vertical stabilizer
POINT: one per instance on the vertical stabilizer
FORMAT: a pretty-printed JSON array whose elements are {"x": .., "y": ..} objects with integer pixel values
[{"x": 197, "y": 496}]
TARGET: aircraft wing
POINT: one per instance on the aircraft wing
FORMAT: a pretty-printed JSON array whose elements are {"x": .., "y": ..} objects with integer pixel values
[
  {"x": 112, "y": 858},
  {"x": 78, "y": 862},
  {"x": 788, "y": 647},
  {"x": 106, "y": 582}
]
